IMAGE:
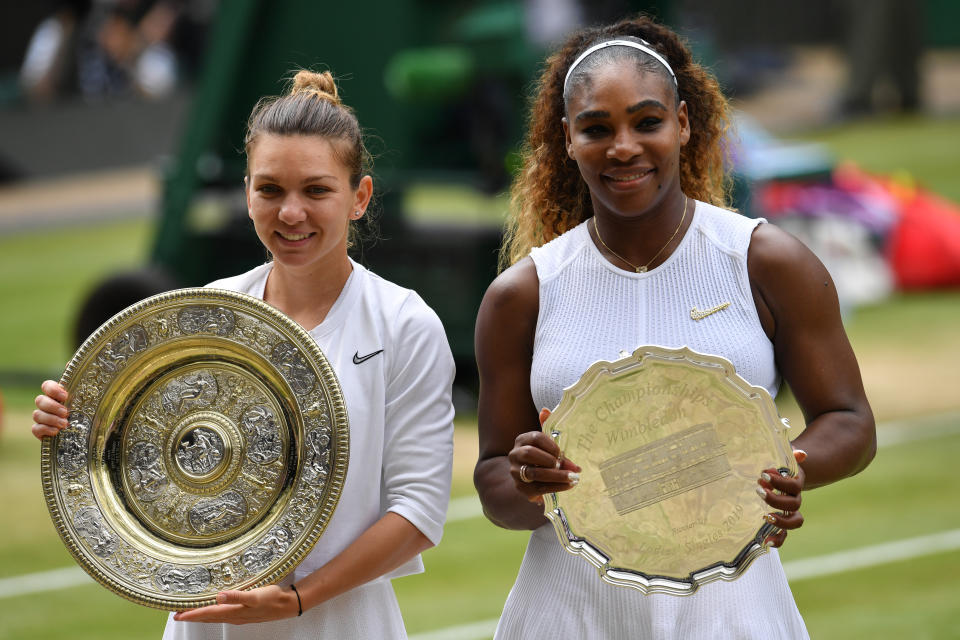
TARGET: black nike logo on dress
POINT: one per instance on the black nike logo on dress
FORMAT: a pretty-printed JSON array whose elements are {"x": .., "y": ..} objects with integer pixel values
[{"x": 358, "y": 359}]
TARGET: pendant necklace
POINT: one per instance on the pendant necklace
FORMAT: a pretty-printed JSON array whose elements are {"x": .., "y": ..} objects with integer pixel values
[{"x": 643, "y": 268}]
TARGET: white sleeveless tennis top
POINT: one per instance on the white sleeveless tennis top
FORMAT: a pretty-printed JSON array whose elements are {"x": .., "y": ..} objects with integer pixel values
[{"x": 591, "y": 310}]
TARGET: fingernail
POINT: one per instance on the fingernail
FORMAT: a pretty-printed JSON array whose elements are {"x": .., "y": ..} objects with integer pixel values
[
  {"x": 559, "y": 461},
  {"x": 769, "y": 518},
  {"x": 765, "y": 476},
  {"x": 761, "y": 492},
  {"x": 799, "y": 455},
  {"x": 573, "y": 477}
]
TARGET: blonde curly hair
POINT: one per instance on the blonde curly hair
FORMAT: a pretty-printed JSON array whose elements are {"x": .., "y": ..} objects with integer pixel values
[{"x": 549, "y": 196}]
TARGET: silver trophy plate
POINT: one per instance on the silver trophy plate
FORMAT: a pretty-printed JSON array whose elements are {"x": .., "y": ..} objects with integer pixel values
[{"x": 671, "y": 444}]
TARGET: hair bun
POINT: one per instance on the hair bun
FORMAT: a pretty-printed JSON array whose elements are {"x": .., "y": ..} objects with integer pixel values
[{"x": 320, "y": 84}]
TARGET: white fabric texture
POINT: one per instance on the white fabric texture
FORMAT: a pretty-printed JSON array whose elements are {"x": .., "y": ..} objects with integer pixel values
[
  {"x": 401, "y": 446},
  {"x": 591, "y": 310}
]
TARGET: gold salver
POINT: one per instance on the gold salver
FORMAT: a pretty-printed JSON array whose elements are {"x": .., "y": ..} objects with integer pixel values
[
  {"x": 207, "y": 448},
  {"x": 671, "y": 443}
]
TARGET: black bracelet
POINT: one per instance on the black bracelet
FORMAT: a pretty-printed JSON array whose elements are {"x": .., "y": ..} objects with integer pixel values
[{"x": 299, "y": 604}]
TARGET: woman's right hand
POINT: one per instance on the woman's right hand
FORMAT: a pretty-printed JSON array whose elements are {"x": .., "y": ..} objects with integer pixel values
[
  {"x": 538, "y": 466},
  {"x": 51, "y": 413}
]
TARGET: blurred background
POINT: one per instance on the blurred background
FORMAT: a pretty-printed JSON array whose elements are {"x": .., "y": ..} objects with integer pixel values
[{"x": 121, "y": 126}]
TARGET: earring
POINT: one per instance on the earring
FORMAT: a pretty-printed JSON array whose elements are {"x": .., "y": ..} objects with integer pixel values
[{"x": 356, "y": 214}]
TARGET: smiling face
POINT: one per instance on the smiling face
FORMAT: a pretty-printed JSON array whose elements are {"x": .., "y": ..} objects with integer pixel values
[
  {"x": 301, "y": 201},
  {"x": 625, "y": 130}
]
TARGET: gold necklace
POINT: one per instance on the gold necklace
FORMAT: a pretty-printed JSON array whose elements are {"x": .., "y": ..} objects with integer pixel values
[{"x": 643, "y": 268}]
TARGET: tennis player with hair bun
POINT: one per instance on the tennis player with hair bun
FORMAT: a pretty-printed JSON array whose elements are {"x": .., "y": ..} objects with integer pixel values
[{"x": 306, "y": 184}]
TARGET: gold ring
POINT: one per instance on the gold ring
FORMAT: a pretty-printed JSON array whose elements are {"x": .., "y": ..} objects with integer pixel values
[{"x": 523, "y": 474}]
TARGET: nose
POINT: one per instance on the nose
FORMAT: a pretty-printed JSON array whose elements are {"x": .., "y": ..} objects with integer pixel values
[
  {"x": 624, "y": 146},
  {"x": 292, "y": 210}
]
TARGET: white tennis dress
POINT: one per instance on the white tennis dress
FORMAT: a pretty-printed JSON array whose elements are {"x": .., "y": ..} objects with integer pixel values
[
  {"x": 401, "y": 447},
  {"x": 591, "y": 310}
]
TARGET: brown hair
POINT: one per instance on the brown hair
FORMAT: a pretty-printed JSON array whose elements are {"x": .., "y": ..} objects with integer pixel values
[
  {"x": 549, "y": 196},
  {"x": 313, "y": 108}
]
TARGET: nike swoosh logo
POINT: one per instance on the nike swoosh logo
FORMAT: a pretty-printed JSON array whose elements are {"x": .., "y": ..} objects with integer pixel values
[
  {"x": 700, "y": 315},
  {"x": 358, "y": 359}
]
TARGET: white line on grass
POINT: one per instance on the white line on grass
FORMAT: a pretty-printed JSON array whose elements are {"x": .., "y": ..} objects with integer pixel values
[
  {"x": 468, "y": 507},
  {"x": 43, "y": 581},
  {"x": 471, "y": 631},
  {"x": 890, "y": 434},
  {"x": 872, "y": 555},
  {"x": 796, "y": 570},
  {"x": 464, "y": 508}
]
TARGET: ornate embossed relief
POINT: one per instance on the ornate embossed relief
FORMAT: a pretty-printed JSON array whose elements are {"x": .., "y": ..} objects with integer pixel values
[
  {"x": 288, "y": 359},
  {"x": 206, "y": 319},
  {"x": 263, "y": 436},
  {"x": 188, "y": 467},
  {"x": 146, "y": 471}
]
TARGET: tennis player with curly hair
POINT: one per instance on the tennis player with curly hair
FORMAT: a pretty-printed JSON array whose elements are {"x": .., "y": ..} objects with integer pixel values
[{"x": 619, "y": 236}]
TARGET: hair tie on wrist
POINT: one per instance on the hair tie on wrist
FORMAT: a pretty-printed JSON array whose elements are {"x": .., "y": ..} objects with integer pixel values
[{"x": 299, "y": 604}]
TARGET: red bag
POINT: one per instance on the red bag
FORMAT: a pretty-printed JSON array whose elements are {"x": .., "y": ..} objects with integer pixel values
[{"x": 924, "y": 246}]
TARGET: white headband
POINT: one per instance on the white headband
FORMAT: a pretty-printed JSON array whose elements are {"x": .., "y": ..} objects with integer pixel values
[{"x": 645, "y": 47}]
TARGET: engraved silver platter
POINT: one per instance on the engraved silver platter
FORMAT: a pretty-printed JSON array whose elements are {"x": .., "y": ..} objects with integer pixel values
[
  {"x": 671, "y": 443},
  {"x": 207, "y": 448}
]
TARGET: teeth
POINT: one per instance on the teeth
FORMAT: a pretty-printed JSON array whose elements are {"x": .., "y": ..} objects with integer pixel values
[
  {"x": 293, "y": 237},
  {"x": 632, "y": 176}
]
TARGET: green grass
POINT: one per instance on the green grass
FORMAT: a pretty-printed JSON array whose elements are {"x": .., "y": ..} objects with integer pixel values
[
  {"x": 933, "y": 313},
  {"x": 914, "y": 599},
  {"x": 80, "y": 613},
  {"x": 44, "y": 276},
  {"x": 906, "y": 492},
  {"x": 923, "y": 148}
]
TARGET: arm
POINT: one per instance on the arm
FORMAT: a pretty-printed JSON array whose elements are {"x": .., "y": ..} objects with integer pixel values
[
  {"x": 507, "y": 417},
  {"x": 798, "y": 307},
  {"x": 386, "y": 545},
  {"x": 416, "y": 468},
  {"x": 418, "y": 425}
]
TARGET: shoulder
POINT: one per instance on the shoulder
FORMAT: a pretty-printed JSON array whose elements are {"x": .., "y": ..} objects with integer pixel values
[
  {"x": 773, "y": 248},
  {"x": 243, "y": 283},
  {"x": 729, "y": 230},
  {"x": 785, "y": 272},
  {"x": 507, "y": 317},
  {"x": 516, "y": 289},
  {"x": 550, "y": 258},
  {"x": 380, "y": 291},
  {"x": 400, "y": 310}
]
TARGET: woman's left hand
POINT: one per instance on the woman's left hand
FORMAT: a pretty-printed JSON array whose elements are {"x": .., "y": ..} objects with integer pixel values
[
  {"x": 783, "y": 493},
  {"x": 243, "y": 607}
]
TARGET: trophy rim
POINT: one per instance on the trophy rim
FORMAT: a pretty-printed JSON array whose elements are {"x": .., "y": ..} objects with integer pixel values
[
  {"x": 650, "y": 583},
  {"x": 331, "y": 492}
]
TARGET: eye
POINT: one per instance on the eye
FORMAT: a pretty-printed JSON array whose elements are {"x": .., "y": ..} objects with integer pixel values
[
  {"x": 594, "y": 130},
  {"x": 647, "y": 124},
  {"x": 317, "y": 190},
  {"x": 268, "y": 189}
]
